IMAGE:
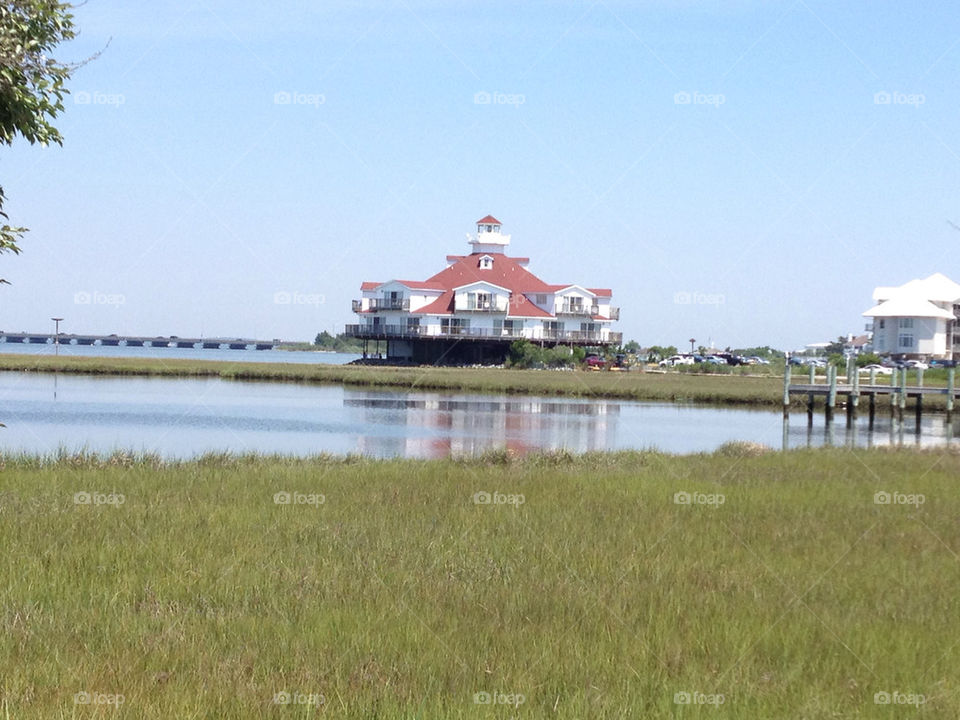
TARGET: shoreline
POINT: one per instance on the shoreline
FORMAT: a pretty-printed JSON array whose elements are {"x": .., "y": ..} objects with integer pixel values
[{"x": 724, "y": 390}]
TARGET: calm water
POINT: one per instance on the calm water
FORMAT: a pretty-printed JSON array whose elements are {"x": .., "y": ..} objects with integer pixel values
[
  {"x": 187, "y": 417},
  {"x": 271, "y": 356}
]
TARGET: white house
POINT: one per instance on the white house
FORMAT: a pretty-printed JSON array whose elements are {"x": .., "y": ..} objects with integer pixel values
[
  {"x": 917, "y": 320},
  {"x": 480, "y": 303}
]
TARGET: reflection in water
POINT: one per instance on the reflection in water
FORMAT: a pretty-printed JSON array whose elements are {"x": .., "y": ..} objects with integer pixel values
[
  {"x": 438, "y": 426},
  {"x": 187, "y": 417},
  {"x": 933, "y": 430}
]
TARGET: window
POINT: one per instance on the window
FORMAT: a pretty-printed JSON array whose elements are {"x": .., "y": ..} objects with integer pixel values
[
  {"x": 905, "y": 340},
  {"x": 413, "y": 324},
  {"x": 454, "y": 326},
  {"x": 906, "y": 323},
  {"x": 882, "y": 323},
  {"x": 541, "y": 299},
  {"x": 486, "y": 262}
]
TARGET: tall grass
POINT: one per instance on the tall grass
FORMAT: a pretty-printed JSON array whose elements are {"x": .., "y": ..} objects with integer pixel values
[
  {"x": 666, "y": 387},
  {"x": 388, "y": 592}
]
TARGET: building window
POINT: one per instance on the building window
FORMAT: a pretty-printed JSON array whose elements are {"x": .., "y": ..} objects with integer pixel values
[
  {"x": 882, "y": 323},
  {"x": 906, "y": 323},
  {"x": 905, "y": 340},
  {"x": 541, "y": 300}
]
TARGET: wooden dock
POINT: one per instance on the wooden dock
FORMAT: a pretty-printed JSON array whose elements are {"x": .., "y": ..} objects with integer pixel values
[{"x": 852, "y": 391}]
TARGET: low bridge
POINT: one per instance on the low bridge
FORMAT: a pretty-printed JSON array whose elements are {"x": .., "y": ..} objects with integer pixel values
[{"x": 137, "y": 341}]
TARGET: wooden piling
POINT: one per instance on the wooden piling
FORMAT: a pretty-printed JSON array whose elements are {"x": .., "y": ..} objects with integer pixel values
[
  {"x": 853, "y": 402},
  {"x": 902, "y": 395},
  {"x": 810, "y": 396},
  {"x": 950, "y": 374},
  {"x": 832, "y": 392},
  {"x": 786, "y": 389}
]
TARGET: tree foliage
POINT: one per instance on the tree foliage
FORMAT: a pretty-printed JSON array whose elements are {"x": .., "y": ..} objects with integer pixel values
[{"x": 32, "y": 83}]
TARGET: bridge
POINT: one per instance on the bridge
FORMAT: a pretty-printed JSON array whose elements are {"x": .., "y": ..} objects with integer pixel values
[{"x": 138, "y": 341}]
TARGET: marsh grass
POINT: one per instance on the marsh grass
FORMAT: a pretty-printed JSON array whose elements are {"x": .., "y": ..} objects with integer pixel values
[
  {"x": 396, "y": 595},
  {"x": 665, "y": 387}
]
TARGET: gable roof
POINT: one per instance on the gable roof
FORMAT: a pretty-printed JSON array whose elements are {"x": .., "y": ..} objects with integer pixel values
[
  {"x": 489, "y": 220},
  {"x": 903, "y": 306}
]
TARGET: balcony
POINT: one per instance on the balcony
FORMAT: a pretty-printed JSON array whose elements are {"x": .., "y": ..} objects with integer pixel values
[
  {"x": 614, "y": 313},
  {"x": 456, "y": 331},
  {"x": 578, "y": 309},
  {"x": 494, "y": 305},
  {"x": 381, "y": 304}
]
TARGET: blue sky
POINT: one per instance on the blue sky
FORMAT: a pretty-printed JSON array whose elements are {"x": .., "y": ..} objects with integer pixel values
[{"x": 728, "y": 168}]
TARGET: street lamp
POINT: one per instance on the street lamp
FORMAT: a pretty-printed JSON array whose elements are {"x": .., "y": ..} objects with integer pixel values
[{"x": 56, "y": 338}]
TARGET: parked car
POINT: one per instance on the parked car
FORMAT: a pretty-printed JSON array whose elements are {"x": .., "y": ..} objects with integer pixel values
[
  {"x": 715, "y": 360},
  {"x": 757, "y": 360},
  {"x": 594, "y": 361},
  {"x": 677, "y": 360},
  {"x": 880, "y": 369},
  {"x": 915, "y": 365},
  {"x": 943, "y": 363}
]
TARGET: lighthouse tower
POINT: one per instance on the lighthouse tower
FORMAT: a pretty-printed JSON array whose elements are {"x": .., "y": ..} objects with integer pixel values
[{"x": 489, "y": 239}]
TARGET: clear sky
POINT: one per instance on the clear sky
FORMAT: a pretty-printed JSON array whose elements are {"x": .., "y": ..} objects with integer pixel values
[{"x": 726, "y": 166}]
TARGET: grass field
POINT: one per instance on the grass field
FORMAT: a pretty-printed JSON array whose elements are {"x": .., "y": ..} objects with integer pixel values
[{"x": 588, "y": 587}]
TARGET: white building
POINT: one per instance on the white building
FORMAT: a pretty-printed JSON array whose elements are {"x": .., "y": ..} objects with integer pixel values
[
  {"x": 917, "y": 320},
  {"x": 480, "y": 303}
]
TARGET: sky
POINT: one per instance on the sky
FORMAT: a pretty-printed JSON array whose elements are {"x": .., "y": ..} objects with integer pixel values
[{"x": 741, "y": 172}]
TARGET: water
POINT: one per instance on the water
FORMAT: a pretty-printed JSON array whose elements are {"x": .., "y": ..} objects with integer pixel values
[
  {"x": 114, "y": 351},
  {"x": 187, "y": 417}
]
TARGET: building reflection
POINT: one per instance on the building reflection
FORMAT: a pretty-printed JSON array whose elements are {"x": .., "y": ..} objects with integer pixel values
[{"x": 434, "y": 425}]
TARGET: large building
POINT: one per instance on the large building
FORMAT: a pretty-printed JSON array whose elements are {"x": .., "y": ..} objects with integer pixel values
[
  {"x": 918, "y": 320},
  {"x": 473, "y": 309}
]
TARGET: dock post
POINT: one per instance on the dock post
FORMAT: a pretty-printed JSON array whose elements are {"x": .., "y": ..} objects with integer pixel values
[
  {"x": 873, "y": 408},
  {"x": 902, "y": 395},
  {"x": 810, "y": 397},
  {"x": 893, "y": 392},
  {"x": 786, "y": 389},
  {"x": 854, "y": 398},
  {"x": 919, "y": 408},
  {"x": 832, "y": 392},
  {"x": 950, "y": 374}
]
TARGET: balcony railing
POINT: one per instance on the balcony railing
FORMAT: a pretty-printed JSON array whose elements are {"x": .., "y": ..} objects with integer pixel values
[
  {"x": 614, "y": 313},
  {"x": 494, "y": 305},
  {"x": 574, "y": 309},
  {"x": 457, "y": 331},
  {"x": 380, "y": 304}
]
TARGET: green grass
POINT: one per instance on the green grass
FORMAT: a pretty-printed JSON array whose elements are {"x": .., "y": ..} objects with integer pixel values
[
  {"x": 399, "y": 597},
  {"x": 666, "y": 387}
]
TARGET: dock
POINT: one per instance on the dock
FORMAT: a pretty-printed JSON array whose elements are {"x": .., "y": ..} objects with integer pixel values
[{"x": 897, "y": 392}]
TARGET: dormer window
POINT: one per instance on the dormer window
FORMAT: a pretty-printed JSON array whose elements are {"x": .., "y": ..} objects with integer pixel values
[{"x": 486, "y": 262}]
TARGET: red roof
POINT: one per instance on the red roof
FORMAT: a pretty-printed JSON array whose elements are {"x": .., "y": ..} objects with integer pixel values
[
  {"x": 506, "y": 272},
  {"x": 369, "y": 285},
  {"x": 489, "y": 220}
]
